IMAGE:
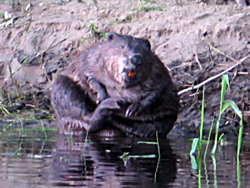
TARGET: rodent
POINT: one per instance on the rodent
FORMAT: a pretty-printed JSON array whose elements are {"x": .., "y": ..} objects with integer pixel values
[{"x": 116, "y": 84}]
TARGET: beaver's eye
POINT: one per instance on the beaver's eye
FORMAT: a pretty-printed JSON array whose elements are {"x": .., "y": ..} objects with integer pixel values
[
  {"x": 136, "y": 59},
  {"x": 122, "y": 46}
]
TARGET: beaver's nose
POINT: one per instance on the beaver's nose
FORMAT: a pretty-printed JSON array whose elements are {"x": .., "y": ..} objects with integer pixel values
[{"x": 136, "y": 60}]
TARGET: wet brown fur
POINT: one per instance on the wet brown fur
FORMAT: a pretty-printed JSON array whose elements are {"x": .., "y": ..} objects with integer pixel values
[{"x": 95, "y": 92}]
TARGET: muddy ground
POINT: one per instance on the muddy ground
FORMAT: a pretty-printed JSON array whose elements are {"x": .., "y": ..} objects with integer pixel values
[{"x": 38, "y": 40}]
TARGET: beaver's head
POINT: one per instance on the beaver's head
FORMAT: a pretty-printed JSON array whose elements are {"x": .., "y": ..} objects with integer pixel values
[{"x": 127, "y": 59}]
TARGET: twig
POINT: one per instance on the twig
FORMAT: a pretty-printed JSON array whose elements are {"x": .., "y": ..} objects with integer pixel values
[
  {"x": 218, "y": 75},
  {"x": 197, "y": 60}
]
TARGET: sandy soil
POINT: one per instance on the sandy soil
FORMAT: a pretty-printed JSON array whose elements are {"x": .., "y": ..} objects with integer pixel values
[{"x": 37, "y": 41}]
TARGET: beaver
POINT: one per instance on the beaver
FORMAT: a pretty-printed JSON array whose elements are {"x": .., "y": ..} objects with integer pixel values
[{"x": 116, "y": 84}]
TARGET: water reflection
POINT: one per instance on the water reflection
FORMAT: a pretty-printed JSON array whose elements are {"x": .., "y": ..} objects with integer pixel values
[
  {"x": 98, "y": 163},
  {"x": 24, "y": 160},
  {"x": 32, "y": 159}
]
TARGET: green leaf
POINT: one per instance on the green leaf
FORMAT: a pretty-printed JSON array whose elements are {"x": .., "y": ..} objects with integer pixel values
[
  {"x": 194, "y": 145},
  {"x": 233, "y": 105},
  {"x": 126, "y": 156},
  {"x": 145, "y": 142},
  {"x": 221, "y": 138},
  {"x": 224, "y": 85},
  {"x": 193, "y": 162},
  {"x": 225, "y": 79},
  {"x": 149, "y": 9},
  {"x": 236, "y": 109},
  {"x": 225, "y": 106}
]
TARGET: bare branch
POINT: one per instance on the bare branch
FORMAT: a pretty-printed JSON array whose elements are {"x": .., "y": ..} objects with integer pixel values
[{"x": 218, "y": 75}]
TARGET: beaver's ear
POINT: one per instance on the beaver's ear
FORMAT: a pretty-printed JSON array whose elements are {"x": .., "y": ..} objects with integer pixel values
[
  {"x": 111, "y": 36},
  {"x": 146, "y": 44}
]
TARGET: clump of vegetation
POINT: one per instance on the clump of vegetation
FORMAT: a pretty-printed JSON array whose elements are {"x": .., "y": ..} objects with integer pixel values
[
  {"x": 143, "y": 8},
  {"x": 125, "y": 157},
  {"x": 149, "y": 1},
  {"x": 148, "y": 8},
  {"x": 197, "y": 142},
  {"x": 95, "y": 33},
  {"x": 224, "y": 105}
]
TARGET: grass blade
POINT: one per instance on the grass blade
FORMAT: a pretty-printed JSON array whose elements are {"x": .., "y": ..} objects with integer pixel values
[
  {"x": 224, "y": 84},
  {"x": 202, "y": 119}
]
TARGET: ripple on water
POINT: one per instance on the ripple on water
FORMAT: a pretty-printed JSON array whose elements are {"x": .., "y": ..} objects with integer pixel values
[{"x": 31, "y": 160}]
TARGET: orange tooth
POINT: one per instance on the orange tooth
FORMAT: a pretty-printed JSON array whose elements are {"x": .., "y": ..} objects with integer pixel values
[{"x": 131, "y": 74}]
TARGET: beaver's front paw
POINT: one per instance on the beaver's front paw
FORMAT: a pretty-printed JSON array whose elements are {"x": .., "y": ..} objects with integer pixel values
[
  {"x": 101, "y": 96},
  {"x": 134, "y": 109},
  {"x": 98, "y": 89}
]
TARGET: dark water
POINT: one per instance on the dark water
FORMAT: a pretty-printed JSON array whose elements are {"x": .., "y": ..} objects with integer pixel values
[{"x": 31, "y": 158}]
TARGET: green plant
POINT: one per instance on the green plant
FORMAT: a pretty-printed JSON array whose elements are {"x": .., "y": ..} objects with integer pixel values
[
  {"x": 125, "y": 157},
  {"x": 197, "y": 142},
  {"x": 224, "y": 85},
  {"x": 149, "y": 1},
  {"x": 4, "y": 110},
  {"x": 84, "y": 39},
  {"x": 94, "y": 31},
  {"x": 92, "y": 27},
  {"x": 148, "y": 9},
  {"x": 202, "y": 118},
  {"x": 224, "y": 105}
]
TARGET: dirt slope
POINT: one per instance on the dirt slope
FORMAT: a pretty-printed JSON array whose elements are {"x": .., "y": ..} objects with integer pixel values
[{"x": 37, "y": 42}]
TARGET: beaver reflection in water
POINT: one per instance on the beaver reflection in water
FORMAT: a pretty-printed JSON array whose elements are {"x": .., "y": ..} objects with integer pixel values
[{"x": 116, "y": 84}]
